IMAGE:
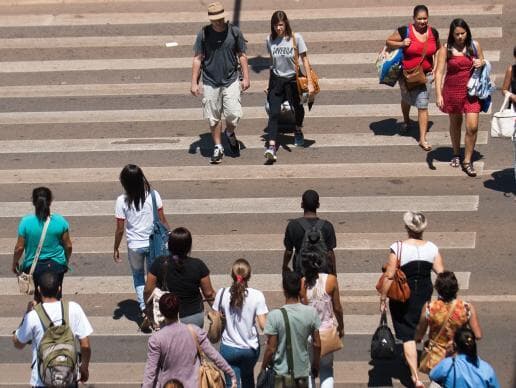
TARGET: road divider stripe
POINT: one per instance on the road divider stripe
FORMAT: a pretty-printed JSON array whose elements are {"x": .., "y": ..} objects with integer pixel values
[
  {"x": 187, "y": 40},
  {"x": 282, "y": 205},
  {"x": 237, "y": 172},
  {"x": 269, "y": 242},
  {"x": 95, "y": 285},
  {"x": 193, "y": 144},
  {"x": 91, "y": 19},
  {"x": 180, "y": 63}
]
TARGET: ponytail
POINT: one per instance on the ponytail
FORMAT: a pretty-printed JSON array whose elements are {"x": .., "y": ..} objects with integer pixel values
[
  {"x": 41, "y": 199},
  {"x": 180, "y": 245},
  {"x": 240, "y": 273},
  {"x": 311, "y": 263}
]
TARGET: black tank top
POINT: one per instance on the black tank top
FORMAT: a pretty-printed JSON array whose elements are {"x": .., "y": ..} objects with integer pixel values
[{"x": 513, "y": 81}]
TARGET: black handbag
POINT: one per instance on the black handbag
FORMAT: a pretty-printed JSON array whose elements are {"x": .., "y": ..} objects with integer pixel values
[
  {"x": 266, "y": 378},
  {"x": 383, "y": 344}
]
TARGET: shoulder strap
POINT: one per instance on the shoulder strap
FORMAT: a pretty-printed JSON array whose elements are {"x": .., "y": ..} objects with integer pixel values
[
  {"x": 40, "y": 246},
  {"x": 441, "y": 330},
  {"x": 200, "y": 353},
  {"x": 220, "y": 298},
  {"x": 165, "y": 266},
  {"x": 288, "y": 340},
  {"x": 45, "y": 320},
  {"x": 154, "y": 207},
  {"x": 399, "y": 249},
  {"x": 425, "y": 47},
  {"x": 65, "y": 311},
  {"x": 307, "y": 226}
]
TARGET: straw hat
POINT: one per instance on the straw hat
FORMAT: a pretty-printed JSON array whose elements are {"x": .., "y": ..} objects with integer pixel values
[
  {"x": 414, "y": 221},
  {"x": 216, "y": 11}
]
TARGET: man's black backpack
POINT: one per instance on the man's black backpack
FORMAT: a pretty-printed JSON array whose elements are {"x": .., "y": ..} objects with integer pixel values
[
  {"x": 383, "y": 344},
  {"x": 313, "y": 242}
]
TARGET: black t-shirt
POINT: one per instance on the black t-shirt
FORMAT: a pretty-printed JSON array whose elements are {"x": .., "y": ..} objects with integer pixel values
[
  {"x": 295, "y": 233},
  {"x": 183, "y": 282}
]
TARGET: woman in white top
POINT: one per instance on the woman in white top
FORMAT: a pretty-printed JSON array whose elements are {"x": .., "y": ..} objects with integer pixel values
[
  {"x": 282, "y": 81},
  {"x": 418, "y": 258},
  {"x": 133, "y": 210},
  {"x": 242, "y": 306},
  {"x": 321, "y": 291}
]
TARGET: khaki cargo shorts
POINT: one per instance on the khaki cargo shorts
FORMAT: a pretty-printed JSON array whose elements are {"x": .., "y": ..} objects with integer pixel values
[{"x": 224, "y": 100}]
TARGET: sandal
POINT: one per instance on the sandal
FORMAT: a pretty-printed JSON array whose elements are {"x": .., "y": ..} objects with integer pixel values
[
  {"x": 469, "y": 169},
  {"x": 425, "y": 146},
  {"x": 455, "y": 161}
]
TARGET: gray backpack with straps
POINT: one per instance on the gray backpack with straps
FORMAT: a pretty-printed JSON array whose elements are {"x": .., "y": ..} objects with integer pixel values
[
  {"x": 57, "y": 355},
  {"x": 313, "y": 242}
]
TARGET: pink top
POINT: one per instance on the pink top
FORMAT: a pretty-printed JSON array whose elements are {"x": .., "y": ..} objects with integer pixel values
[
  {"x": 412, "y": 54},
  {"x": 321, "y": 301},
  {"x": 172, "y": 354}
]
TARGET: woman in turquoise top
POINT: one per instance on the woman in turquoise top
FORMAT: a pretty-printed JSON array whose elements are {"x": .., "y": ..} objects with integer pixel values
[{"x": 57, "y": 246}]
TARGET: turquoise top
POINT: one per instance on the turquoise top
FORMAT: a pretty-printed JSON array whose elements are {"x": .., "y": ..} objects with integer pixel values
[{"x": 30, "y": 229}]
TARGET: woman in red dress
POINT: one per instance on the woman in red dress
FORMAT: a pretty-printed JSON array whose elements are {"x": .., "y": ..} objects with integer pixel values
[{"x": 459, "y": 57}]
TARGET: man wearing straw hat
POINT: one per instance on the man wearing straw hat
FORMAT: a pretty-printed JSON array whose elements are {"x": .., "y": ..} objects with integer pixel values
[{"x": 219, "y": 51}]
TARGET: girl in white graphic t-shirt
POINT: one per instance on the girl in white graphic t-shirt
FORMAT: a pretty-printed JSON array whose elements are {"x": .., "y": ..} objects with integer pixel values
[
  {"x": 134, "y": 211},
  {"x": 282, "y": 81}
]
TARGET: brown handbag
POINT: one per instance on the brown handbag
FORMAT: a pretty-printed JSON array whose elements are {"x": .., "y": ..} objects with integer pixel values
[
  {"x": 434, "y": 352},
  {"x": 301, "y": 79},
  {"x": 217, "y": 321},
  {"x": 416, "y": 76},
  {"x": 399, "y": 289}
]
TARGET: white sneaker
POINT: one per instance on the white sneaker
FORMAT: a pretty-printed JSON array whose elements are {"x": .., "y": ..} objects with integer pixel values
[{"x": 270, "y": 154}]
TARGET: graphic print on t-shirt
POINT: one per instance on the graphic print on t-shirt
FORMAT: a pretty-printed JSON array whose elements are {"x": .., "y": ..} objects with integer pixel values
[{"x": 282, "y": 51}]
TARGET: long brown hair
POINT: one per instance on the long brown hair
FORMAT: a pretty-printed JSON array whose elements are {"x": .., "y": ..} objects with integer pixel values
[
  {"x": 241, "y": 273},
  {"x": 280, "y": 16}
]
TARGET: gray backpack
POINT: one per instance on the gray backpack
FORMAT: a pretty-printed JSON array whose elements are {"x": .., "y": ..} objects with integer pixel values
[
  {"x": 313, "y": 242},
  {"x": 57, "y": 352}
]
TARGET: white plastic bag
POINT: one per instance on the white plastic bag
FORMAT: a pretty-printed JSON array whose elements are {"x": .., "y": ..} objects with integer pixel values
[{"x": 502, "y": 124}]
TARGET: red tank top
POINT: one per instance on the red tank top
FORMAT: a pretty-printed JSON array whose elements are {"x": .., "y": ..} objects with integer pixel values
[{"x": 412, "y": 54}]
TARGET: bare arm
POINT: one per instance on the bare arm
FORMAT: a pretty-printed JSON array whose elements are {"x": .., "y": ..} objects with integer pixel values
[
  {"x": 422, "y": 325},
  {"x": 473, "y": 322},
  {"x": 287, "y": 256},
  {"x": 507, "y": 84},
  {"x": 332, "y": 288},
  {"x": 244, "y": 64},
  {"x": 261, "y": 320},
  {"x": 196, "y": 73},
  {"x": 389, "y": 274},
  {"x": 67, "y": 244},
  {"x": 17, "y": 344},
  {"x": 479, "y": 62},
  {"x": 162, "y": 218},
  {"x": 18, "y": 252},
  {"x": 439, "y": 75},
  {"x": 270, "y": 350},
  {"x": 333, "y": 261},
  {"x": 302, "y": 292},
  {"x": 85, "y": 358},
  {"x": 150, "y": 285},
  {"x": 207, "y": 290},
  {"x": 395, "y": 41},
  {"x": 438, "y": 265},
  {"x": 119, "y": 233}
]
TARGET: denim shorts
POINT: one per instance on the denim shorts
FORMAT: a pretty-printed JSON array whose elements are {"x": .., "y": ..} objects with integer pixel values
[{"x": 418, "y": 96}]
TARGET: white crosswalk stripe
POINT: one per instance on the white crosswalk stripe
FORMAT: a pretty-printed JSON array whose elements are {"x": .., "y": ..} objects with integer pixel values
[{"x": 68, "y": 76}]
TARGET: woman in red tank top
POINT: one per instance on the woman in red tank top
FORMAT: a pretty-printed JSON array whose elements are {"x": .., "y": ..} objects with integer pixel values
[
  {"x": 412, "y": 39},
  {"x": 459, "y": 57}
]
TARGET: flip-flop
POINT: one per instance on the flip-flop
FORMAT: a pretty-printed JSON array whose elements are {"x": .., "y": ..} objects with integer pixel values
[{"x": 425, "y": 146}]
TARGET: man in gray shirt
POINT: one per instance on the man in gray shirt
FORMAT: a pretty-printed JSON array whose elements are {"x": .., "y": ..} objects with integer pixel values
[{"x": 218, "y": 50}]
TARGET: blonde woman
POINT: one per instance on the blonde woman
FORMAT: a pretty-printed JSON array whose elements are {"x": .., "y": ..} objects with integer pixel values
[{"x": 243, "y": 307}]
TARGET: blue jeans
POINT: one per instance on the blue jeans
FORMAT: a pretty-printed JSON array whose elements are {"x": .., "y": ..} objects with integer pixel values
[
  {"x": 242, "y": 361},
  {"x": 325, "y": 371},
  {"x": 137, "y": 258}
]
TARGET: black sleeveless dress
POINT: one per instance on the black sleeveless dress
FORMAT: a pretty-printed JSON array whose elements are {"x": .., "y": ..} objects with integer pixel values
[{"x": 405, "y": 316}]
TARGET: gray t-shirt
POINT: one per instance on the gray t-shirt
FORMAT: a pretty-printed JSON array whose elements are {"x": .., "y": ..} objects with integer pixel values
[
  {"x": 220, "y": 51},
  {"x": 303, "y": 321},
  {"x": 281, "y": 51}
]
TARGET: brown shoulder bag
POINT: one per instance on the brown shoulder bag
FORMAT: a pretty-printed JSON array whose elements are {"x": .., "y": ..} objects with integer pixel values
[
  {"x": 399, "y": 289},
  {"x": 416, "y": 76}
]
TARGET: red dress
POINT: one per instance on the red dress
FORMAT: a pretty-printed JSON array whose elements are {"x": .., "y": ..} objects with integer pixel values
[{"x": 455, "y": 90}]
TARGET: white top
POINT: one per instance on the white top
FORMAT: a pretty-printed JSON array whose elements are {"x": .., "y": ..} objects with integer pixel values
[
  {"x": 240, "y": 331},
  {"x": 32, "y": 330},
  {"x": 281, "y": 51},
  {"x": 138, "y": 225},
  {"x": 319, "y": 299},
  {"x": 412, "y": 252}
]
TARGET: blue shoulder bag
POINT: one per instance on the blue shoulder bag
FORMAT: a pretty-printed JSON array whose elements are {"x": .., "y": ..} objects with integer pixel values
[{"x": 158, "y": 239}]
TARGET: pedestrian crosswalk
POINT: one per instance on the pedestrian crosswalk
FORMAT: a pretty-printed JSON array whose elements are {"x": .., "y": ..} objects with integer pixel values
[{"x": 89, "y": 86}]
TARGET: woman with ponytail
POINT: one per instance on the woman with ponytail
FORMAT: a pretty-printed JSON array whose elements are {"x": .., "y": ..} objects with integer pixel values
[
  {"x": 465, "y": 369},
  {"x": 242, "y": 307},
  {"x": 321, "y": 291},
  {"x": 185, "y": 276},
  {"x": 134, "y": 215},
  {"x": 57, "y": 246}
]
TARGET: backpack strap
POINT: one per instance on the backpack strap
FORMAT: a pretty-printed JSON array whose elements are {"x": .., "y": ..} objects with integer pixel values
[
  {"x": 306, "y": 225},
  {"x": 44, "y": 318},
  {"x": 155, "y": 215},
  {"x": 65, "y": 311},
  {"x": 288, "y": 340}
]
